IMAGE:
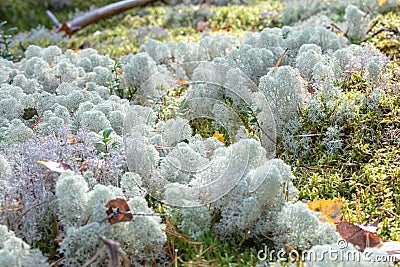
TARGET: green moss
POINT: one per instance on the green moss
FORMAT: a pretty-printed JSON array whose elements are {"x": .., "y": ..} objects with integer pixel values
[
  {"x": 27, "y": 14},
  {"x": 388, "y": 40},
  {"x": 210, "y": 251},
  {"x": 246, "y": 18},
  {"x": 366, "y": 171}
]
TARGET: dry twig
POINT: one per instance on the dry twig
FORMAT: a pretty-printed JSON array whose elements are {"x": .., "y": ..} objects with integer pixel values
[
  {"x": 114, "y": 250},
  {"x": 93, "y": 16}
]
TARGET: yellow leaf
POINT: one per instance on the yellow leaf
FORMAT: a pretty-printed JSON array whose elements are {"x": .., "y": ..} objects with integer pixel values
[
  {"x": 182, "y": 82},
  {"x": 219, "y": 137},
  {"x": 330, "y": 208},
  {"x": 382, "y": 2}
]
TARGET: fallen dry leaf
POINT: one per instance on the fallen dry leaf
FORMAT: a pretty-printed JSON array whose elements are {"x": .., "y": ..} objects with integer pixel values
[
  {"x": 329, "y": 208},
  {"x": 357, "y": 236},
  {"x": 56, "y": 166},
  {"x": 118, "y": 211}
]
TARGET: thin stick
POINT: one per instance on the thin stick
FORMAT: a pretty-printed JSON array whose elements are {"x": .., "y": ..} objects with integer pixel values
[
  {"x": 53, "y": 18},
  {"x": 125, "y": 259},
  {"x": 92, "y": 259},
  {"x": 57, "y": 262},
  {"x": 280, "y": 59},
  {"x": 36, "y": 122},
  {"x": 28, "y": 210},
  {"x": 10, "y": 207},
  {"x": 307, "y": 135},
  {"x": 176, "y": 257},
  {"x": 164, "y": 148},
  {"x": 98, "y": 14},
  {"x": 302, "y": 116},
  {"x": 114, "y": 248},
  {"x": 147, "y": 214},
  {"x": 389, "y": 211}
]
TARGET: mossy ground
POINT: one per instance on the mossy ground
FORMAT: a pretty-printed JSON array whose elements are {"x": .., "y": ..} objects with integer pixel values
[{"x": 366, "y": 172}]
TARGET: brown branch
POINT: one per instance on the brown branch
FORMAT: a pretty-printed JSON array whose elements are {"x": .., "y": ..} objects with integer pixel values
[
  {"x": 389, "y": 212},
  {"x": 28, "y": 210},
  {"x": 38, "y": 120},
  {"x": 93, "y": 16},
  {"x": 11, "y": 207},
  {"x": 164, "y": 148},
  {"x": 302, "y": 116},
  {"x": 98, "y": 254},
  {"x": 57, "y": 262},
  {"x": 114, "y": 249}
]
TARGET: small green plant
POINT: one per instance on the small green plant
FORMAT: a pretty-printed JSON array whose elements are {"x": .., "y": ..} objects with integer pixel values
[
  {"x": 115, "y": 83},
  {"x": 5, "y": 42},
  {"x": 107, "y": 142}
]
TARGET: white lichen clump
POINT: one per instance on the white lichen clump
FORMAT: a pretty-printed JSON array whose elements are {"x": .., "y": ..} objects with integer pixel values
[
  {"x": 84, "y": 214},
  {"x": 15, "y": 252}
]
